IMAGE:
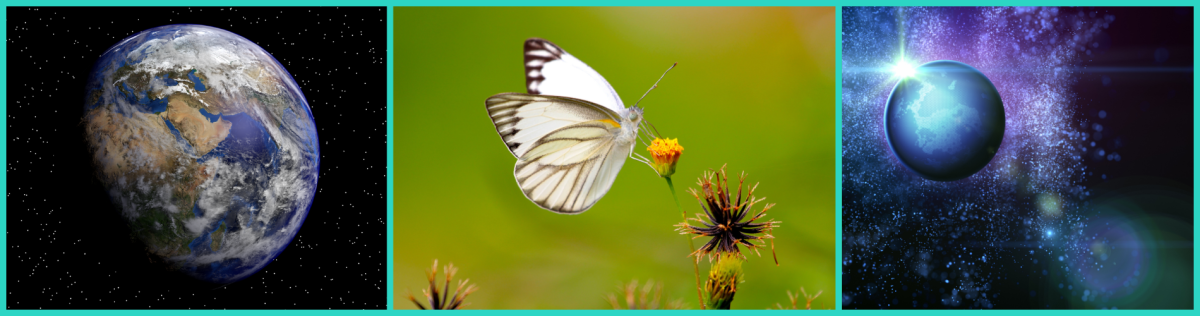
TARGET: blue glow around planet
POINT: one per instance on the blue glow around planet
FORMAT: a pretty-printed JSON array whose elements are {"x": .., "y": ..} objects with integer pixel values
[
  {"x": 944, "y": 120},
  {"x": 206, "y": 145}
]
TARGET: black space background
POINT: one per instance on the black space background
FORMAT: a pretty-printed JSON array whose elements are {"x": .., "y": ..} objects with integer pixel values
[
  {"x": 1148, "y": 106},
  {"x": 1148, "y": 102},
  {"x": 1149, "y": 121},
  {"x": 68, "y": 247}
]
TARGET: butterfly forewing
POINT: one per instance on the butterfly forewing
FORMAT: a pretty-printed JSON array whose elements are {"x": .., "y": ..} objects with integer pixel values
[
  {"x": 522, "y": 119},
  {"x": 550, "y": 70}
]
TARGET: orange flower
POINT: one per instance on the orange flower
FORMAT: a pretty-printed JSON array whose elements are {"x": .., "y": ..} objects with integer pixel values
[{"x": 665, "y": 153}]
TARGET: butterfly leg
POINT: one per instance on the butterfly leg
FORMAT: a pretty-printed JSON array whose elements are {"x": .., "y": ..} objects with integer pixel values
[{"x": 639, "y": 158}]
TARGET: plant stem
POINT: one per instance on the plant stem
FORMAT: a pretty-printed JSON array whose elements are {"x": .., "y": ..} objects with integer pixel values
[{"x": 692, "y": 247}]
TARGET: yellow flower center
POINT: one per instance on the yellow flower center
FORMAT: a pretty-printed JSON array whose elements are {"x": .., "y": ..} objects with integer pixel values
[
  {"x": 665, "y": 150},
  {"x": 665, "y": 153}
]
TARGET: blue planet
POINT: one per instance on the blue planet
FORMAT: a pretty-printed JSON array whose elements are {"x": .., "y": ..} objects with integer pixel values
[
  {"x": 205, "y": 145},
  {"x": 945, "y": 121}
]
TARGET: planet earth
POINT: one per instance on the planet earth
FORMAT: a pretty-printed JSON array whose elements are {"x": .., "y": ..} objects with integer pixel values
[
  {"x": 945, "y": 122},
  {"x": 205, "y": 145}
]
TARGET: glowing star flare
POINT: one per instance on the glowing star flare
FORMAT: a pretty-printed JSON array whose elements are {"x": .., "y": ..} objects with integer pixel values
[{"x": 903, "y": 70}]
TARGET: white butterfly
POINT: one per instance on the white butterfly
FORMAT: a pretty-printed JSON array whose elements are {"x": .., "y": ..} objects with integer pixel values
[{"x": 570, "y": 133}]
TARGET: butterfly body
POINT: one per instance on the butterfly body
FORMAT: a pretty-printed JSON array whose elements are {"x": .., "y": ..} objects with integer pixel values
[{"x": 570, "y": 133}]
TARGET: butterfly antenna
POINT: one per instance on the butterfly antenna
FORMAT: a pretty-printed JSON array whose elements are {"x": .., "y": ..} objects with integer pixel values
[
  {"x": 643, "y": 125},
  {"x": 652, "y": 127},
  {"x": 655, "y": 84}
]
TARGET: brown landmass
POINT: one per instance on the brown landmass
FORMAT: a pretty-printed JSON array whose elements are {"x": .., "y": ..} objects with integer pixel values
[
  {"x": 217, "y": 237},
  {"x": 194, "y": 127},
  {"x": 141, "y": 147},
  {"x": 267, "y": 83},
  {"x": 133, "y": 136}
]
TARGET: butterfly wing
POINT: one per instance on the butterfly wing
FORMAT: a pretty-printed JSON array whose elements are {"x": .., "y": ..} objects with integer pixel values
[
  {"x": 550, "y": 70},
  {"x": 573, "y": 187},
  {"x": 568, "y": 149}
]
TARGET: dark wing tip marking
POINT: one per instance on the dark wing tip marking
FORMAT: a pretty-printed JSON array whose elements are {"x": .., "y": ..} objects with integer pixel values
[
  {"x": 539, "y": 43},
  {"x": 497, "y": 112},
  {"x": 538, "y": 52}
]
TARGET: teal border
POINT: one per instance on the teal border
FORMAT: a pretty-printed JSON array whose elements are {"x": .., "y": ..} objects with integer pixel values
[
  {"x": 4, "y": 156},
  {"x": 837, "y": 159},
  {"x": 390, "y": 153},
  {"x": 390, "y": 161}
]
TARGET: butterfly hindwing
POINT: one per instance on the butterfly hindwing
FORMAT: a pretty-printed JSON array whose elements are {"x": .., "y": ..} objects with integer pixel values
[
  {"x": 550, "y": 70},
  {"x": 574, "y": 187}
]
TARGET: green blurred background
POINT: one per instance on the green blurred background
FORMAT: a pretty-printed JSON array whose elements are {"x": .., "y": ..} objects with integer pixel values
[{"x": 754, "y": 88}]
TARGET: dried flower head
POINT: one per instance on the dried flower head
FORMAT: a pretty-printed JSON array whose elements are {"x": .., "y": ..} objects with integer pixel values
[
  {"x": 665, "y": 153},
  {"x": 725, "y": 219},
  {"x": 445, "y": 301},
  {"x": 638, "y": 300}
]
